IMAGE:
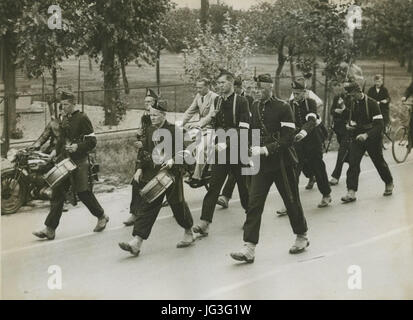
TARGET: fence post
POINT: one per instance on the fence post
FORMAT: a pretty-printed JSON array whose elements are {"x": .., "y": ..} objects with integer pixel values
[
  {"x": 78, "y": 82},
  {"x": 175, "y": 96},
  {"x": 83, "y": 101},
  {"x": 6, "y": 139},
  {"x": 325, "y": 111},
  {"x": 314, "y": 79}
]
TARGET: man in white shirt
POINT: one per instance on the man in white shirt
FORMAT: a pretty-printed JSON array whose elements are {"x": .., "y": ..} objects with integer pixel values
[{"x": 203, "y": 105}]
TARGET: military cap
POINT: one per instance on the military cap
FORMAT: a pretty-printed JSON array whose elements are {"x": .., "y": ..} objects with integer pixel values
[
  {"x": 266, "y": 77},
  {"x": 151, "y": 93},
  {"x": 298, "y": 84},
  {"x": 67, "y": 95},
  {"x": 352, "y": 87},
  {"x": 161, "y": 105}
]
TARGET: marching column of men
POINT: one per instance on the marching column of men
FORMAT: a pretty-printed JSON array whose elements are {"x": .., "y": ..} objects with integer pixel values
[{"x": 290, "y": 139}]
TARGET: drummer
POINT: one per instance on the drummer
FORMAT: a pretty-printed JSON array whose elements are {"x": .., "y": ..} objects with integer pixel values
[
  {"x": 149, "y": 168},
  {"x": 77, "y": 141}
]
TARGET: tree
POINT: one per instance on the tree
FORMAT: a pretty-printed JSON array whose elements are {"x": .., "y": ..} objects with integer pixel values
[
  {"x": 388, "y": 26},
  {"x": 11, "y": 11},
  {"x": 180, "y": 27},
  {"x": 121, "y": 34},
  {"x": 278, "y": 26},
  {"x": 228, "y": 50},
  {"x": 300, "y": 32},
  {"x": 41, "y": 48}
]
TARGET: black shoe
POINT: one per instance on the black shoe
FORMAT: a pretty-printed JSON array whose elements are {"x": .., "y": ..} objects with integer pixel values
[
  {"x": 195, "y": 183},
  {"x": 310, "y": 183}
]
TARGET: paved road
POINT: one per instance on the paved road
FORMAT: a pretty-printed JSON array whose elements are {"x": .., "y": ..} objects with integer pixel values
[{"x": 373, "y": 235}]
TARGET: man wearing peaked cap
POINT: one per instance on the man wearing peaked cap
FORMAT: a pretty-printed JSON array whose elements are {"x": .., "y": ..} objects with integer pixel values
[
  {"x": 274, "y": 119},
  {"x": 301, "y": 84},
  {"x": 366, "y": 127},
  {"x": 151, "y": 99},
  {"x": 158, "y": 157},
  {"x": 308, "y": 139},
  {"x": 76, "y": 142}
]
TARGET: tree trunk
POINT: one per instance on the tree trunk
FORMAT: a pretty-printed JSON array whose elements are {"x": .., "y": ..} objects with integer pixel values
[
  {"x": 314, "y": 78},
  {"x": 10, "y": 81},
  {"x": 204, "y": 12},
  {"x": 158, "y": 68},
  {"x": 110, "y": 80},
  {"x": 54, "y": 84},
  {"x": 281, "y": 61},
  {"x": 292, "y": 63},
  {"x": 90, "y": 64},
  {"x": 124, "y": 78}
]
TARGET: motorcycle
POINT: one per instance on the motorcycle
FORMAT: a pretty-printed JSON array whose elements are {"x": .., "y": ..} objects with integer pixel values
[{"x": 22, "y": 178}]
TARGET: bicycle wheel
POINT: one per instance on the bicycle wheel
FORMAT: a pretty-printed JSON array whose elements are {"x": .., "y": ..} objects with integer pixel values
[{"x": 400, "y": 145}]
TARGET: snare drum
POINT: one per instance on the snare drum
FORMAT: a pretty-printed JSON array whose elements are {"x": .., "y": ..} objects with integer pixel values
[
  {"x": 59, "y": 172},
  {"x": 157, "y": 186}
]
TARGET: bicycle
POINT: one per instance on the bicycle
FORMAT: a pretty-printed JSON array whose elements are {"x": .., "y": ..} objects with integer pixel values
[{"x": 401, "y": 144}]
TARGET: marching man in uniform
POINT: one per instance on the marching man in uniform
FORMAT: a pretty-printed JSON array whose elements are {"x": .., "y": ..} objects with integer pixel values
[
  {"x": 309, "y": 140},
  {"x": 274, "y": 119},
  {"x": 150, "y": 100},
  {"x": 366, "y": 126},
  {"x": 147, "y": 169},
  {"x": 80, "y": 140},
  {"x": 231, "y": 112}
]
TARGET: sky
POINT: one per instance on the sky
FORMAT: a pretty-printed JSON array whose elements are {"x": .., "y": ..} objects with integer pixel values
[{"x": 236, "y": 4}]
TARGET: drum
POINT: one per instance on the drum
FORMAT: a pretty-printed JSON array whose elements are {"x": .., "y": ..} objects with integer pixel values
[
  {"x": 59, "y": 172},
  {"x": 157, "y": 186}
]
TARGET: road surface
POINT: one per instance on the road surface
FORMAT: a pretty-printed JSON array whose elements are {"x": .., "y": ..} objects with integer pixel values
[{"x": 361, "y": 250}]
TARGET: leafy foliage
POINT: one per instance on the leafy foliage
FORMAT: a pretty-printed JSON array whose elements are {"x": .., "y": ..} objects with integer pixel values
[{"x": 228, "y": 50}]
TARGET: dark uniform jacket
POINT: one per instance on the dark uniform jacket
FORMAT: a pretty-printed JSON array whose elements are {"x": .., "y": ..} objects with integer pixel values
[
  {"x": 378, "y": 96},
  {"x": 227, "y": 116},
  {"x": 305, "y": 116},
  {"x": 340, "y": 119},
  {"x": 274, "y": 119},
  {"x": 366, "y": 117},
  {"x": 77, "y": 129},
  {"x": 145, "y": 159}
]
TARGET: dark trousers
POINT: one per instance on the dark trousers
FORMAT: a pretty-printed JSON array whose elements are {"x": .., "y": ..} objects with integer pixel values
[
  {"x": 260, "y": 186},
  {"x": 148, "y": 212},
  {"x": 218, "y": 176},
  {"x": 310, "y": 153},
  {"x": 385, "y": 111},
  {"x": 58, "y": 199},
  {"x": 136, "y": 199},
  {"x": 229, "y": 186},
  {"x": 308, "y": 173},
  {"x": 374, "y": 149},
  {"x": 344, "y": 141}
]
